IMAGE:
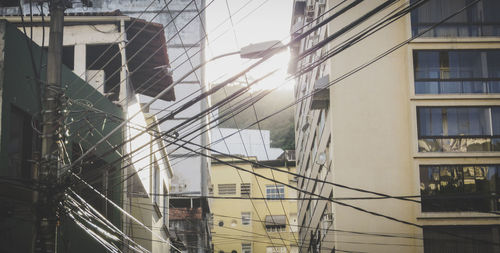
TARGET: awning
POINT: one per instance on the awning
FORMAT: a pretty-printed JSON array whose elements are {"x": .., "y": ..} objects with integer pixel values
[
  {"x": 148, "y": 59},
  {"x": 275, "y": 220}
]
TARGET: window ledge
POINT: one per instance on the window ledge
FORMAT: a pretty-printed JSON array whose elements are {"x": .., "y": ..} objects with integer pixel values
[
  {"x": 455, "y": 97},
  {"x": 457, "y": 215},
  {"x": 157, "y": 210},
  {"x": 165, "y": 231},
  {"x": 456, "y": 40},
  {"x": 455, "y": 154}
]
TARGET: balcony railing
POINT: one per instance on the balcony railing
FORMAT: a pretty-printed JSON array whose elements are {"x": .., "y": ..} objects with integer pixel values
[
  {"x": 461, "y": 202},
  {"x": 468, "y": 29},
  {"x": 457, "y": 86}
]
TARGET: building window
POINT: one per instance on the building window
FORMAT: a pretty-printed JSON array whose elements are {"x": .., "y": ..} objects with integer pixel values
[
  {"x": 446, "y": 188},
  {"x": 480, "y": 19},
  {"x": 245, "y": 218},
  {"x": 165, "y": 206},
  {"x": 272, "y": 249},
  {"x": 314, "y": 201},
  {"x": 275, "y": 191},
  {"x": 245, "y": 189},
  {"x": 156, "y": 182},
  {"x": 9, "y": 3},
  {"x": 272, "y": 229},
  {"x": 326, "y": 217},
  {"x": 227, "y": 189},
  {"x": 246, "y": 248},
  {"x": 464, "y": 239},
  {"x": 275, "y": 223},
  {"x": 22, "y": 143},
  {"x": 456, "y": 71},
  {"x": 458, "y": 129}
]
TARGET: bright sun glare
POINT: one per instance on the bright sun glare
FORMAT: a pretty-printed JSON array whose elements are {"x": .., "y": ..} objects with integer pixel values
[
  {"x": 262, "y": 25},
  {"x": 278, "y": 79}
]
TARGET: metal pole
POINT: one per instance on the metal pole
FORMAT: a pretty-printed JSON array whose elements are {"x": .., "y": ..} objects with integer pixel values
[{"x": 50, "y": 122}]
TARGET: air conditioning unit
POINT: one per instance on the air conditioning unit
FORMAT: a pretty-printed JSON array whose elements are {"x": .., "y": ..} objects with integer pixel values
[{"x": 322, "y": 2}]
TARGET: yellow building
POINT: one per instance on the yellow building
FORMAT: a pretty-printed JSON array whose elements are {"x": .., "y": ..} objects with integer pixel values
[{"x": 250, "y": 213}]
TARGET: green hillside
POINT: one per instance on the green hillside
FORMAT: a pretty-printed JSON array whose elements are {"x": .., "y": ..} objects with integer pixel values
[{"x": 280, "y": 125}]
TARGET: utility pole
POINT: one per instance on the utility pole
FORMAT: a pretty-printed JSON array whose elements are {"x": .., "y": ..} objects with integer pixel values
[{"x": 48, "y": 175}]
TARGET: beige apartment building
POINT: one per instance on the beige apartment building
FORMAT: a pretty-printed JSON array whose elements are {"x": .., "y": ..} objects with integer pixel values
[{"x": 422, "y": 121}]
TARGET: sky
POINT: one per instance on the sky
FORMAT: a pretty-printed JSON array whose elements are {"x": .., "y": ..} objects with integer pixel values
[{"x": 254, "y": 21}]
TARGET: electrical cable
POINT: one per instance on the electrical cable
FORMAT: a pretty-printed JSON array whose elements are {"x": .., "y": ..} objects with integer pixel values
[
  {"x": 343, "y": 10},
  {"x": 353, "y": 71},
  {"x": 147, "y": 43},
  {"x": 164, "y": 91},
  {"x": 347, "y": 28},
  {"x": 335, "y": 241},
  {"x": 339, "y": 202},
  {"x": 174, "y": 112},
  {"x": 284, "y": 198},
  {"x": 238, "y": 93},
  {"x": 82, "y": 207},
  {"x": 260, "y": 131},
  {"x": 122, "y": 210},
  {"x": 389, "y": 19},
  {"x": 116, "y": 41}
]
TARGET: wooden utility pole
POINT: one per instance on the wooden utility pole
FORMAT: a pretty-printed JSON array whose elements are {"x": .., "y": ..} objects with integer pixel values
[{"x": 48, "y": 176}]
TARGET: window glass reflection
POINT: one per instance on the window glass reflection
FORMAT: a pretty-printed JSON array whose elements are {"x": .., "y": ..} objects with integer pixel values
[
  {"x": 447, "y": 188},
  {"x": 456, "y": 71},
  {"x": 458, "y": 129},
  {"x": 478, "y": 20}
]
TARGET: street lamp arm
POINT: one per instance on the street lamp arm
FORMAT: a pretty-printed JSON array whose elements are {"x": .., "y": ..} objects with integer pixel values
[{"x": 204, "y": 63}]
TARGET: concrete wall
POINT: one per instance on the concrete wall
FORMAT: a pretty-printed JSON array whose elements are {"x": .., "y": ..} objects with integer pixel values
[{"x": 371, "y": 135}]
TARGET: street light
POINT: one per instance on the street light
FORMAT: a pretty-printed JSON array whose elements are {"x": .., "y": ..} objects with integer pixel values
[
  {"x": 258, "y": 50},
  {"x": 252, "y": 51}
]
